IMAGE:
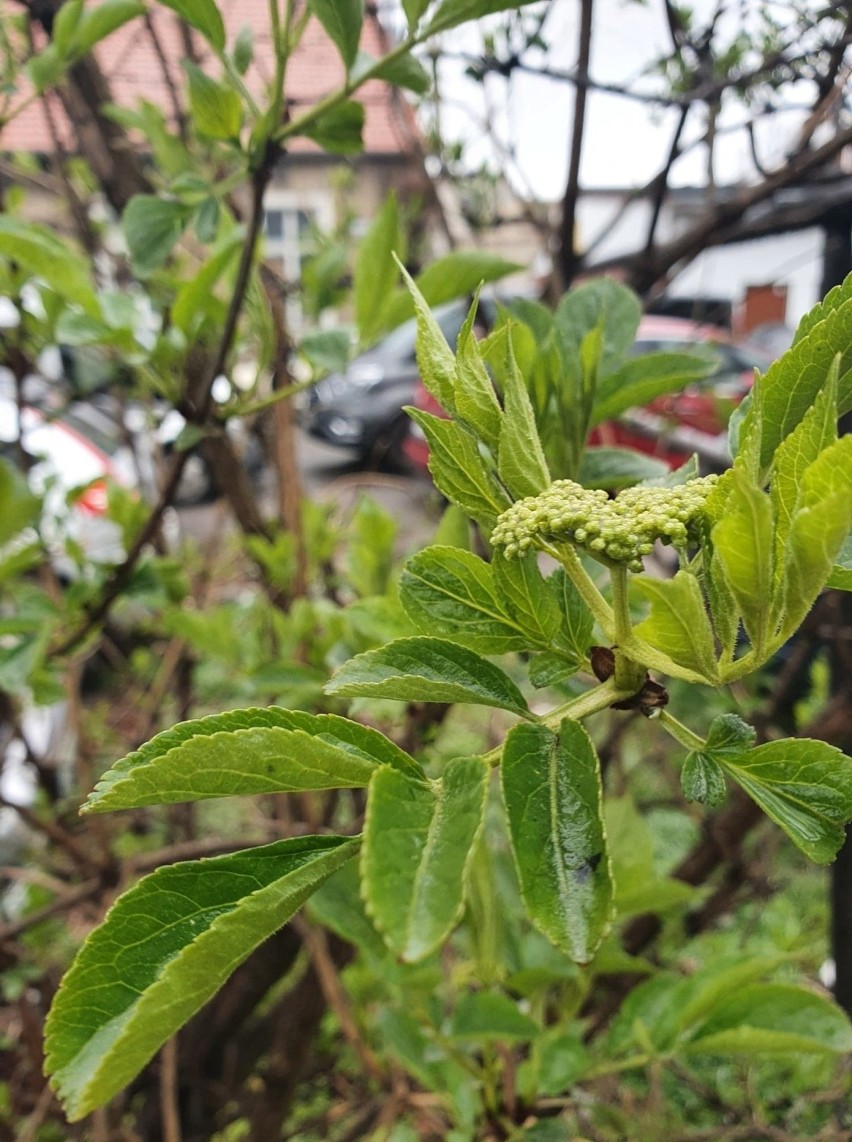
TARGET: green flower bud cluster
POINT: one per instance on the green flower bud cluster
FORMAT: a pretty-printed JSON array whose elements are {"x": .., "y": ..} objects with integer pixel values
[{"x": 621, "y": 530}]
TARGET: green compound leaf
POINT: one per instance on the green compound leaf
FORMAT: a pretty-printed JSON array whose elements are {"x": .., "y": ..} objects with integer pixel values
[
  {"x": 451, "y": 592},
  {"x": 678, "y": 623},
  {"x": 766, "y": 1017},
  {"x": 459, "y": 470},
  {"x": 552, "y": 792},
  {"x": 427, "y": 670},
  {"x": 247, "y": 752},
  {"x": 163, "y": 950},
  {"x": 528, "y": 598},
  {"x": 802, "y": 785},
  {"x": 520, "y": 457},
  {"x": 418, "y": 837},
  {"x": 342, "y": 21}
]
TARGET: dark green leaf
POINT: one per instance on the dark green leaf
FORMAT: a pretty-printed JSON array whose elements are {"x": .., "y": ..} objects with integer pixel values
[
  {"x": 451, "y": 13},
  {"x": 641, "y": 380},
  {"x": 459, "y": 470},
  {"x": 766, "y": 1017},
  {"x": 729, "y": 736},
  {"x": 528, "y": 598},
  {"x": 804, "y": 786},
  {"x": 376, "y": 270},
  {"x": 552, "y": 793},
  {"x": 243, "y": 50},
  {"x": 549, "y": 668},
  {"x": 449, "y": 592},
  {"x": 151, "y": 227},
  {"x": 414, "y": 10},
  {"x": 487, "y": 1016},
  {"x": 202, "y": 15},
  {"x": 678, "y": 622},
  {"x": 246, "y": 752},
  {"x": 605, "y": 304},
  {"x": 164, "y": 949},
  {"x": 418, "y": 837},
  {"x": 702, "y": 780},
  {"x": 339, "y": 130},
  {"x": 575, "y": 633},
  {"x": 405, "y": 71},
  {"x": 342, "y": 20},
  {"x": 615, "y": 468},
  {"x": 427, "y": 670}
]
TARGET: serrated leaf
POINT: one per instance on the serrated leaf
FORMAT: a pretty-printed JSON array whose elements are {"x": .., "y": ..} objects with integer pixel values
[
  {"x": 376, "y": 270},
  {"x": 487, "y": 1016},
  {"x": 528, "y": 598},
  {"x": 450, "y": 592},
  {"x": 246, "y": 752},
  {"x": 425, "y": 669},
  {"x": 841, "y": 575},
  {"x": 552, "y": 793},
  {"x": 743, "y": 545},
  {"x": 204, "y": 16},
  {"x": 767, "y": 1017},
  {"x": 729, "y": 736},
  {"x": 458, "y": 274},
  {"x": 548, "y": 668},
  {"x": 702, "y": 780},
  {"x": 342, "y": 20},
  {"x": 435, "y": 360},
  {"x": 804, "y": 786},
  {"x": 642, "y": 379},
  {"x": 577, "y": 624},
  {"x": 832, "y": 301},
  {"x": 678, "y": 622},
  {"x": 816, "y": 538},
  {"x": 520, "y": 457},
  {"x": 339, "y": 130},
  {"x": 474, "y": 396},
  {"x": 459, "y": 470},
  {"x": 151, "y": 228},
  {"x": 164, "y": 949},
  {"x": 418, "y": 837},
  {"x": 615, "y": 468}
]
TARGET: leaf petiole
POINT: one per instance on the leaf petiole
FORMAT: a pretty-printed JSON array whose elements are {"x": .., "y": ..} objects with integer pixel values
[{"x": 680, "y": 732}]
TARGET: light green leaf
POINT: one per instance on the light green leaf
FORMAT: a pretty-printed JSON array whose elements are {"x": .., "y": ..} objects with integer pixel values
[
  {"x": 342, "y": 21},
  {"x": 193, "y": 301},
  {"x": 491, "y": 1017},
  {"x": 615, "y": 468},
  {"x": 215, "y": 109},
  {"x": 375, "y": 269},
  {"x": 202, "y": 15},
  {"x": 766, "y": 1017},
  {"x": 246, "y": 752},
  {"x": 575, "y": 633},
  {"x": 163, "y": 950},
  {"x": 451, "y": 13},
  {"x": 520, "y": 457},
  {"x": 832, "y": 301},
  {"x": 804, "y": 786},
  {"x": 638, "y": 886},
  {"x": 404, "y": 71},
  {"x": 425, "y": 669},
  {"x": 841, "y": 575},
  {"x": 642, "y": 379},
  {"x": 552, "y": 792},
  {"x": 46, "y": 68},
  {"x": 100, "y": 22},
  {"x": 743, "y": 544},
  {"x": 816, "y": 539},
  {"x": 459, "y": 470},
  {"x": 450, "y": 592},
  {"x": 418, "y": 837},
  {"x": 475, "y": 399},
  {"x": 339, "y": 130},
  {"x": 455, "y": 275},
  {"x": 151, "y": 227},
  {"x": 435, "y": 359},
  {"x": 41, "y": 254},
  {"x": 603, "y": 304},
  {"x": 528, "y": 598},
  {"x": 65, "y": 25},
  {"x": 678, "y": 622},
  {"x": 414, "y": 10}
]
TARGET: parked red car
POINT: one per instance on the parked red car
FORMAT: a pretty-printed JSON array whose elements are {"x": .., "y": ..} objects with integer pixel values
[{"x": 671, "y": 427}]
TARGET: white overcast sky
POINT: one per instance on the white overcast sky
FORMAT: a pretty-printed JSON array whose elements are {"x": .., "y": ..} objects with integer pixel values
[{"x": 625, "y": 142}]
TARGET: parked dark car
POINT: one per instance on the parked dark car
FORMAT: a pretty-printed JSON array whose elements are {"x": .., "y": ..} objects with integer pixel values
[
  {"x": 671, "y": 427},
  {"x": 361, "y": 408}
]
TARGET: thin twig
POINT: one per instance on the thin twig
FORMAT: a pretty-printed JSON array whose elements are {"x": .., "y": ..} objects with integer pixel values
[
  {"x": 169, "y": 1110},
  {"x": 85, "y": 891}
]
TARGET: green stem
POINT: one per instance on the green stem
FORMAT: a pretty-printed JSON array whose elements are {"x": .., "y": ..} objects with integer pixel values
[
  {"x": 598, "y": 698},
  {"x": 621, "y": 606},
  {"x": 622, "y": 1065},
  {"x": 680, "y": 732},
  {"x": 582, "y": 580}
]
